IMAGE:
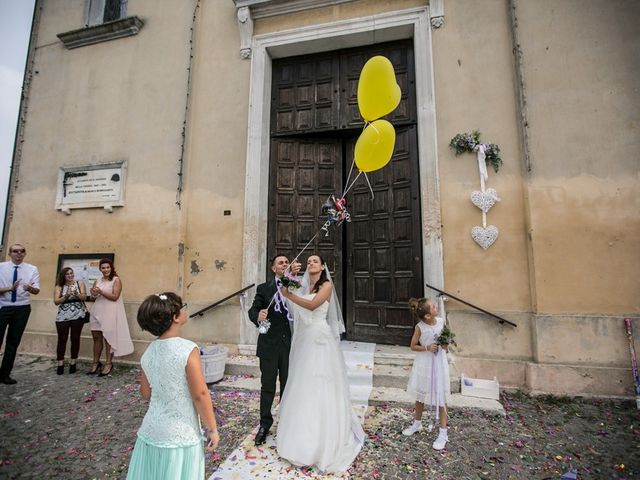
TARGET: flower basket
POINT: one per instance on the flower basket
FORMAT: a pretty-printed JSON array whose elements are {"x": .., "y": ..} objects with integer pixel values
[{"x": 213, "y": 359}]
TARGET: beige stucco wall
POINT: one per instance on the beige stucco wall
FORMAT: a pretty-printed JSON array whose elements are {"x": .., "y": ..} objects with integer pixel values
[
  {"x": 584, "y": 127},
  {"x": 125, "y": 100},
  {"x": 580, "y": 201},
  {"x": 94, "y": 105},
  {"x": 216, "y": 157},
  {"x": 474, "y": 75},
  {"x": 564, "y": 268}
]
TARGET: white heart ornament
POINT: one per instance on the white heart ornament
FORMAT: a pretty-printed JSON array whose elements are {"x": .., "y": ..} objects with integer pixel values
[
  {"x": 484, "y": 200},
  {"x": 484, "y": 236}
]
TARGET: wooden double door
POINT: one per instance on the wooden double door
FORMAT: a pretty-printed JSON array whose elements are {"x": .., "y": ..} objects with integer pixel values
[{"x": 376, "y": 258}]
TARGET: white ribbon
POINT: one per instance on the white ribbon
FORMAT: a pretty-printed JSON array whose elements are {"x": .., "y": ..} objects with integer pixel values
[
  {"x": 482, "y": 164},
  {"x": 484, "y": 175}
]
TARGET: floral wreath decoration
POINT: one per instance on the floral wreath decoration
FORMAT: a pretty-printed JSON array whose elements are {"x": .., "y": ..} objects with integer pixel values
[
  {"x": 470, "y": 142},
  {"x": 485, "y": 198}
]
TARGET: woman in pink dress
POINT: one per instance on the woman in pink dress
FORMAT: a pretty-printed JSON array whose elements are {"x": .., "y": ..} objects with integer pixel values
[{"x": 108, "y": 320}]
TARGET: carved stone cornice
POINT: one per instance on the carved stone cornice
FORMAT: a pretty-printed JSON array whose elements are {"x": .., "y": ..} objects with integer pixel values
[
  {"x": 270, "y": 8},
  {"x": 436, "y": 13},
  {"x": 123, "y": 27},
  {"x": 245, "y": 24},
  {"x": 437, "y": 22},
  {"x": 250, "y": 10}
]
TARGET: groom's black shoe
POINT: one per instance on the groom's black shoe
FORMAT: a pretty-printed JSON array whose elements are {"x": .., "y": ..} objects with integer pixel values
[
  {"x": 8, "y": 380},
  {"x": 261, "y": 436}
]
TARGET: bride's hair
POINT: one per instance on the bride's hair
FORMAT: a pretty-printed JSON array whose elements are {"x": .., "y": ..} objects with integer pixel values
[{"x": 323, "y": 275}]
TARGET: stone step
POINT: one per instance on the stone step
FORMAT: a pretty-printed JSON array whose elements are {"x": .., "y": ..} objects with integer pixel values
[
  {"x": 397, "y": 376},
  {"x": 387, "y": 375},
  {"x": 384, "y": 354},
  {"x": 386, "y": 395},
  {"x": 379, "y": 395},
  {"x": 384, "y": 374},
  {"x": 242, "y": 365},
  {"x": 393, "y": 355}
]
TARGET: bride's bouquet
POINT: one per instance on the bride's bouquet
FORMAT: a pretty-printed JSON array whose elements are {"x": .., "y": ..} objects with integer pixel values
[{"x": 290, "y": 281}]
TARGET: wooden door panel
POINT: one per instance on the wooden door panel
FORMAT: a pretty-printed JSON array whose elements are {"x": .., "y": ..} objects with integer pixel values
[
  {"x": 384, "y": 248},
  {"x": 376, "y": 260},
  {"x": 304, "y": 94},
  {"x": 303, "y": 173},
  {"x": 400, "y": 54}
]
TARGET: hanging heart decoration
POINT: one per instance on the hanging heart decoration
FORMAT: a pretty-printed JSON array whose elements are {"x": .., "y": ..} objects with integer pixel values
[
  {"x": 484, "y": 236},
  {"x": 484, "y": 200}
]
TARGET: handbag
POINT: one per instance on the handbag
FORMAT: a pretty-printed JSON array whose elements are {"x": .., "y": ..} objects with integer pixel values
[{"x": 87, "y": 313}]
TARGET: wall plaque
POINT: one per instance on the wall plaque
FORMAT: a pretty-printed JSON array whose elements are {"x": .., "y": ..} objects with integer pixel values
[{"x": 91, "y": 186}]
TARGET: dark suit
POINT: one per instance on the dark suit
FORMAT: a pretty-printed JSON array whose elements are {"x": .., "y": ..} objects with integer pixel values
[{"x": 273, "y": 349}]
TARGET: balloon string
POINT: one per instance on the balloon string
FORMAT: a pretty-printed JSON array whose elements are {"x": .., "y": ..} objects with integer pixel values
[
  {"x": 348, "y": 178},
  {"x": 377, "y": 131},
  {"x": 294, "y": 261},
  {"x": 326, "y": 224},
  {"x": 370, "y": 187},
  {"x": 366, "y": 122},
  {"x": 352, "y": 184},
  {"x": 305, "y": 247}
]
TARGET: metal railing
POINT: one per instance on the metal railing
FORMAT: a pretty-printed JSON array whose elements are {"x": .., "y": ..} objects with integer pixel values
[
  {"x": 500, "y": 319},
  {"x": 213, "y": 305}
]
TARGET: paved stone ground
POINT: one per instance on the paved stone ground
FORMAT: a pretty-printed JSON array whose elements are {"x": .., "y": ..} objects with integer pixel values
[{"x": 83, "y": 427}]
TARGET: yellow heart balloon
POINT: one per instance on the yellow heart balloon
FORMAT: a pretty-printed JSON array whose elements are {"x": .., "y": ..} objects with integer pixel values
[
  {"x": 378, "y": 92},
  {"x": 375, "y": 146}
]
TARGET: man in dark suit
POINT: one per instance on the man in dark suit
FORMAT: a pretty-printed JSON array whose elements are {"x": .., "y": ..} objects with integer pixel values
[{"x": 274, "y": 345}]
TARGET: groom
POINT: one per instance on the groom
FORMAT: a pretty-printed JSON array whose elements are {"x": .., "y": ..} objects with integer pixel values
[{"x": 273, "y": 346}]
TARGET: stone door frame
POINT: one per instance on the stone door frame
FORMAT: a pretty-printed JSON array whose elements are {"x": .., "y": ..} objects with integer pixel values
[{"x": 404, "y": 24}]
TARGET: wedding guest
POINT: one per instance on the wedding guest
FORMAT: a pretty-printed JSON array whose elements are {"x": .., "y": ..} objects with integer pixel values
[
  {"x": 108, "y": 320},
  {"x": 169, "y": 444},
  {"x": 69, "y": 295},
  {"x": 429, "y": 379},
  {"x": 18, "y": 281}
]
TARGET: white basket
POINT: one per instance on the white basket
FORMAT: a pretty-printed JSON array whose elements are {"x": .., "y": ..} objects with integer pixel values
[
  {"x": 476, "y": 387},
  {"x": 213, "y": 358}
]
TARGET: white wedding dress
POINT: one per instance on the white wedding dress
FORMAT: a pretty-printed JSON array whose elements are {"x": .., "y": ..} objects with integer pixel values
[{"x": 317, "y": 425}]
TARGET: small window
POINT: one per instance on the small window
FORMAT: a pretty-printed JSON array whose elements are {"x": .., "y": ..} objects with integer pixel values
[{"x": 103, "y": 11}]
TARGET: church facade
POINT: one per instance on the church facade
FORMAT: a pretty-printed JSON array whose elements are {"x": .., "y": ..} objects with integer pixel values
[{"x": 192, "y": 141}]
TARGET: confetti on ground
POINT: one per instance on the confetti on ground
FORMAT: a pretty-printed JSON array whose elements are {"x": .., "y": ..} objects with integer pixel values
[{"x": 51, "y": 431}]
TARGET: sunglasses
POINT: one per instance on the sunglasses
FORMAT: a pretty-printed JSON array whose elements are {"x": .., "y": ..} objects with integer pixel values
[
  {"x": 185, "y": 306},
  {"x": 21, "y": 250}
]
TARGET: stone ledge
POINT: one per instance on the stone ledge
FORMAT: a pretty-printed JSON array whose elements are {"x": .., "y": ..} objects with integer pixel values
[
  {"x": 271, "y": 8},
  {"x": 379, "y": 395},
  {"x": 385, "y": 395},
  {"x": 124, "y": 27},
  {"x": 578, "y": 380},
  {"x": 548, "y": 378}
]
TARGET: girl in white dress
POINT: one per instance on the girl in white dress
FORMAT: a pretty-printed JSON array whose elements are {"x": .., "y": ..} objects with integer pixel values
[
  {"x": 317, "y": 425},
  {"x": 429, "y": 380}
]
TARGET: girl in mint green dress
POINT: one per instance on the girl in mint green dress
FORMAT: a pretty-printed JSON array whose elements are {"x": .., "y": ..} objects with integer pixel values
[{"x": 170, "y": 441}]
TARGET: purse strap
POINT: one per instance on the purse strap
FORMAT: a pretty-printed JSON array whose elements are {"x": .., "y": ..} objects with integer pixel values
[{"x": 81, "y": 299}]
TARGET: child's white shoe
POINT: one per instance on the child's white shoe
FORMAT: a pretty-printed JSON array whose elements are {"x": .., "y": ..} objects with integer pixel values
[
  {"x": 442, "y": 439},
  {"x": 413, "y": 428}
]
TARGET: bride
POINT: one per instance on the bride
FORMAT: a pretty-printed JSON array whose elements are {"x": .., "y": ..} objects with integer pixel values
[{"x": 317, "y": 425}]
